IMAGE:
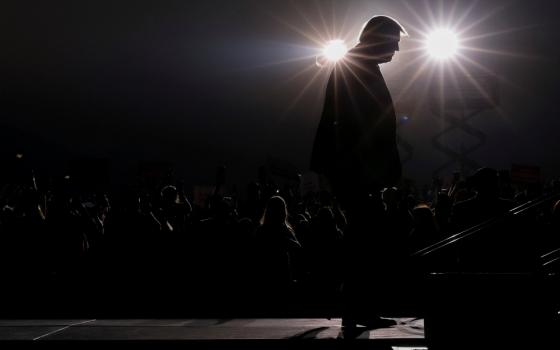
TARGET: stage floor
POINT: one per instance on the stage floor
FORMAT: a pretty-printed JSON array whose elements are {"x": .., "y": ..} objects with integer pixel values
[{"x": 407, "y": 331}]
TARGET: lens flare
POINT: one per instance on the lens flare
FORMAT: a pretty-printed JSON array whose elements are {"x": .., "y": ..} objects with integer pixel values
[
  {"x": 442, "y": 44},
  {"x": 335, "y": 50}
]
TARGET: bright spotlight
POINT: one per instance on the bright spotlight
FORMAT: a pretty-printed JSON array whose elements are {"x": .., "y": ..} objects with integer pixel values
[
  {"x": 335, "y": 50},
  {"x": 442, "y": 44}
]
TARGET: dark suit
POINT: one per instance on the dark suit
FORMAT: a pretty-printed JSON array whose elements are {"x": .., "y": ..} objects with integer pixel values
[
  {"x": 355, "y": 145},
  {"x": 355, "y": 148}
]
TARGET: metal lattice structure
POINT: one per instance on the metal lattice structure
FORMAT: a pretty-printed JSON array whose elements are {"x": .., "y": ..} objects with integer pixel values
[{"x": 456, "y": 105}]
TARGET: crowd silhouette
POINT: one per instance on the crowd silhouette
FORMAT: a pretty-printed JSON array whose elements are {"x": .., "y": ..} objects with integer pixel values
[{"x": 276, "y": 249}]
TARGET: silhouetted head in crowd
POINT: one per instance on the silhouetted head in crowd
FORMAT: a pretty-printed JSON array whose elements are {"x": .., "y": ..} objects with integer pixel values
[
  {"x": 144, "y": 203},
  {"x": 246, "y": 228},
  {"x": 276, "y": 212},
  {"x": 411, "y": 201},
  {"x": 486, "y": 183},
  {"x": 169, "y": 195},
  {"x": 390, "y": 197},
  {"x": 379, "y": 39},
  {"x": 222, "y": 208},
  {"x": 424, "y": 219},
  {"x": 300, "y": 209}
]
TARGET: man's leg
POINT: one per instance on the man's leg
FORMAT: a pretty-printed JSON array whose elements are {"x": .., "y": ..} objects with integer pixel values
[{"x": 361, "y": 285}]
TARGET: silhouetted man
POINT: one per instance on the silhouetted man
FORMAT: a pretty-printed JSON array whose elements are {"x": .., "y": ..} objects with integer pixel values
[
  {"x": 355, "y": 149},
  {"x": 355, "y": 145}
]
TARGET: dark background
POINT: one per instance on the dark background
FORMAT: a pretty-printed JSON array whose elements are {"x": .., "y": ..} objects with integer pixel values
[{"x": 230, "y": 82}]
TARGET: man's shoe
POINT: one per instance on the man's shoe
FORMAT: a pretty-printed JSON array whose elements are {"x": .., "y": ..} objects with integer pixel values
[{"x": 369, "y": 323}]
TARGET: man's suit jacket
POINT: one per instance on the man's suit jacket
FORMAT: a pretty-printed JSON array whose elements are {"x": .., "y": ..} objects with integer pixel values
[{"x": 355, "y": 145}]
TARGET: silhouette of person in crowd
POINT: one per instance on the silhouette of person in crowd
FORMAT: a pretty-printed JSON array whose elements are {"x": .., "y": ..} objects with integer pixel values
[
  {"x": 509, "y": 246},
  {"x": 355, "y": 150},
  {"x": 484, "y": 205},
  {"x": 277, "y": 250}
]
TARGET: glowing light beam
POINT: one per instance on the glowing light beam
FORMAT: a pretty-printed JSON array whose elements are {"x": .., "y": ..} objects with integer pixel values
[
  {"x": 442, "y": 44},
  {"x": 335, "y": 50}
]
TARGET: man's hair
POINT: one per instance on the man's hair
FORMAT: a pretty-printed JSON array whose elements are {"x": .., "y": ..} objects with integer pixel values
[{"x": 381, "y": 26}]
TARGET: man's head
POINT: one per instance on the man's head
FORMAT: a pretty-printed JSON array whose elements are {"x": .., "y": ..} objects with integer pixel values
[{"x": 380, "y": 38}]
